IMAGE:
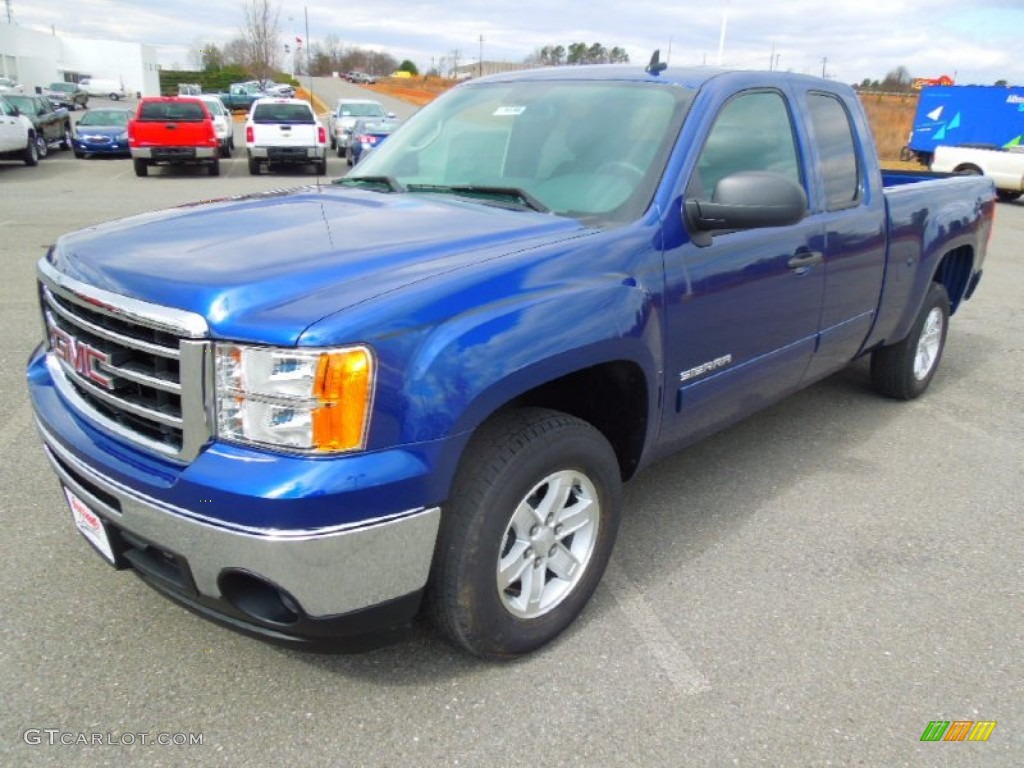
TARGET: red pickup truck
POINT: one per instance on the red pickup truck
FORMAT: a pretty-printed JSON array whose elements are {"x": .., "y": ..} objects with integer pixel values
[{"x": 172, "y": 131}]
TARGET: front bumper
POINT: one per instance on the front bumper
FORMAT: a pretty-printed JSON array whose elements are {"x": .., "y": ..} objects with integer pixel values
[
  {"x": 329, "y": 586},
  {"x": 100, "y": 147}
]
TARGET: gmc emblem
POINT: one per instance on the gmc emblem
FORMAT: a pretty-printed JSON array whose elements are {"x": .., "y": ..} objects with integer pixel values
[{"x": 80, "y": 356}]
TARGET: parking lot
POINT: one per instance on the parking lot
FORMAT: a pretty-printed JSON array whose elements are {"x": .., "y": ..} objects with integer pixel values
[{"x": 810, "y": 587}]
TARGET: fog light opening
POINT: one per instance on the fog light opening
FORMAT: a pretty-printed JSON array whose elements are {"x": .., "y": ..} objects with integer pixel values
[{"x": 258, "y": 598}]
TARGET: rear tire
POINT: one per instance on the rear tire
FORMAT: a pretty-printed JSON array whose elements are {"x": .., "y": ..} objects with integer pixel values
[
  {"x": 254, "y": 166},
  {"x": 904, "y": 370},
  {"x": 321, "y": 167},
  {"x": 526, "y": 534},
  {"x": 214, "y": 168},
  {"x": 141, "y": 167},
  {"x": 31, "y": 152},
  {"x": 1006, "y": 196}
]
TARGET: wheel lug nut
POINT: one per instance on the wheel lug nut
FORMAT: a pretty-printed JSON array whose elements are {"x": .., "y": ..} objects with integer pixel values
[
  {"x": 550, "y": 520},
  {"x": 558, "y": 529},
  {"x": 538, "y": 562},
  {"x": 553, "y": 550},
  {"x": 528, "y": 553},
  {"x": 534, "y": 530}
]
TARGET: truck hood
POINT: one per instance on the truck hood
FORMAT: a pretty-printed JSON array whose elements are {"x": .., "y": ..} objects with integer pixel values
[{"x": 265, "y": 267}]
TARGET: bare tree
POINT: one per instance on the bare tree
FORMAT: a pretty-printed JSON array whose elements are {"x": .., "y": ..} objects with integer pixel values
[
  {"x": 261, "y": 31},
  {"x": 236, "y": 52}
]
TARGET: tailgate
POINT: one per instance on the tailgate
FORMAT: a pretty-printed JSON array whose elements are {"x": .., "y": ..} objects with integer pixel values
[
  {"x": 170, "y": 134},
  {"x": 285, "y": 135}
]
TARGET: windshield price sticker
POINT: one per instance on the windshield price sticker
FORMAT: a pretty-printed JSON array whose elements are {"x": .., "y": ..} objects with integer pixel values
[{"x": 509, "y": 111}]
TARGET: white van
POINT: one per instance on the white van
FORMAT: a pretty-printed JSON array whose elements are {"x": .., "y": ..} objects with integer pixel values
[{"x": 97, "y": 86}]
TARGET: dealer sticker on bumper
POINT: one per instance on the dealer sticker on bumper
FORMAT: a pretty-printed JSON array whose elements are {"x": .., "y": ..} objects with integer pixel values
[{"x": 90, "y": 525}]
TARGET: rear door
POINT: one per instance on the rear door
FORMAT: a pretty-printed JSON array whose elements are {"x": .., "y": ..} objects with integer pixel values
[{"x": 851, "y": 210}]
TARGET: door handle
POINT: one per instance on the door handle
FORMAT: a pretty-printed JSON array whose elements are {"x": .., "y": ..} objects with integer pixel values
[{"x": 806, "y": 259}]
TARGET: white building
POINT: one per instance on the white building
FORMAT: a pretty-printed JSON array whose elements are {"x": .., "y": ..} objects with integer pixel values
[{"x": 37, "y": 59}]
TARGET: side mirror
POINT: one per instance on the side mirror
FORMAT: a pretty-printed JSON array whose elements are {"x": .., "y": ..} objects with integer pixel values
[
  {"x": 392, "y": 115},
  {"x": 747, "y": 200}
]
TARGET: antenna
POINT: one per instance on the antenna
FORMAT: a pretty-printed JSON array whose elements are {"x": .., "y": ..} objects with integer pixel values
[{"x": 657, "y": 65}]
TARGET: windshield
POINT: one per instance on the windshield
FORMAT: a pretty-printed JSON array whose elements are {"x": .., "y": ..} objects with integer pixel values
[
  {"x": 105, "y": 117},
  {"x": 592, "y": 150},
  {"x": 283, "y": 113},
  {"x": 355, "y": 109},
  {"x": 65, "y": 87},
  {"x": 215, "y": 106},
  {"x": 23, "y": 103}
]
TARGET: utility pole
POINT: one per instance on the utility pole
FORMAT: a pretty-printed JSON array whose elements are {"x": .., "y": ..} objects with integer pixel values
[
  {"x": 824, "y": 64},
  {"x": 481, "y": 56}
]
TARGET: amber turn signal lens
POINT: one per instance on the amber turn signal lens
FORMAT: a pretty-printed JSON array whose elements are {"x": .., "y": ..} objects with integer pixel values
[{"x": 344, "y": 387}]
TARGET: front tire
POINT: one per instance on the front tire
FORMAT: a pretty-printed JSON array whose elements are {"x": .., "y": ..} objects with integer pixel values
[
  {"x": 65, "y": 141},
  {"x": 905, "y": 370},
  {"x": 527, "y": 533}
]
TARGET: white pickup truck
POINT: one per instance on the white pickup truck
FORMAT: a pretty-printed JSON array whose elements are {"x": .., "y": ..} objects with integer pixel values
[
  {"x": 17, "y": 135},
  {"x": 282, "y": 131},
  {"x": 1004, "y": 166}
]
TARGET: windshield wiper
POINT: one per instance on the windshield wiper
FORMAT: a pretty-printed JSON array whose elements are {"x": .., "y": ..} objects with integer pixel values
[
  {"x": 479, "y": 189},
  {"x": 390, "y": 182}
]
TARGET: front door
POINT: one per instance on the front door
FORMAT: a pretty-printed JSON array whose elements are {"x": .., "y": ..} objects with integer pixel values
[{"x": 743, "y": 311}]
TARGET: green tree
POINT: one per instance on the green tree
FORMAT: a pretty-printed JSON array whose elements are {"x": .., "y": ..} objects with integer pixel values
[
  {"x": 577, "y": 53},
  {"x": 408, "y": 66}
]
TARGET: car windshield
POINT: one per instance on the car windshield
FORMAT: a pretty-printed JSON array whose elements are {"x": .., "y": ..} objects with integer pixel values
[
  {"x": 361, "y": 110},
  {"x": 115, "y": 117},
  {"x": 215, "y": 106},
  {"x": 283, "y": 113},
  {"x": 23, "y": 103},
  {"x": 177, "y": 111},
  {"x": 380, "y": 127},
  {"x": 594, "y": 151},
  {"x": 65, "y": 87}
]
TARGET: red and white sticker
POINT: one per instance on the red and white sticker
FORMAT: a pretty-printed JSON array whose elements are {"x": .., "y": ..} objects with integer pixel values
[{"x": 90, "y": 524}]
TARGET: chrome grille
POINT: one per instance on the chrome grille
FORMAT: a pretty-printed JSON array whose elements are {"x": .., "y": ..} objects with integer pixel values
[{"x": 141, "y": 370}]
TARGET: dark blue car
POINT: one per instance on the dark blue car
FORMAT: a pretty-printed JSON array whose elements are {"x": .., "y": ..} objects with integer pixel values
[
  {"x": 102, "y": 132},
  {"x": 368, "y": 134}
]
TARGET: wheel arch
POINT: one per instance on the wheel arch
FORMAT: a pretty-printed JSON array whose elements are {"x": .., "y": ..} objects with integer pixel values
[
  {"x": 954, "y": 274},
  {"x": 611, "y": 396}
]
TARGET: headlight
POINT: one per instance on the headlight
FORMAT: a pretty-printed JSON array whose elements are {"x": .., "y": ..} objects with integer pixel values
[{"x": 306, "y": 400}]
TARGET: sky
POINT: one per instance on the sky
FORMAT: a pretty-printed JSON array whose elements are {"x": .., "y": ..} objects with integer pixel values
[{"x": 848, "y": 40}]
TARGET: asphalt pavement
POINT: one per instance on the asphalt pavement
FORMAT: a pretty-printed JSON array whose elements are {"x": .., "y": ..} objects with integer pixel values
[{"x": 811, "y": 587}]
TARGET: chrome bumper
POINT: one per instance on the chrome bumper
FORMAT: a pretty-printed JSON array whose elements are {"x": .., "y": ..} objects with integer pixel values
[{"x": 328, "y": 571}]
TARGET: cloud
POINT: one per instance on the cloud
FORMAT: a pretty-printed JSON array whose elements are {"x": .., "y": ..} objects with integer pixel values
[{"x": 859, "y": 38}]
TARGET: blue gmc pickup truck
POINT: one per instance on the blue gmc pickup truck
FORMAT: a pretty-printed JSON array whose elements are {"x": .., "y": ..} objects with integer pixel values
[{"x": 312, "y": 414}]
